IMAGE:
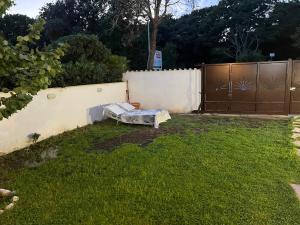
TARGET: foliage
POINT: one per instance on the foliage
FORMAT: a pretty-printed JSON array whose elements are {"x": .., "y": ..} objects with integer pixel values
[
  {"x": 119, "y": 24},
  {"x": 116, "y": 66},
  {"x": 205, "y": 35},
  {"x": 194, "y": 36},
  {"x": 88, "y": 61},
  {"x": 207, "y": 170},
  {"x": 54, "y": 29},
  {"x": 65, "y": 17},
  {"x": 152, "y": 11},
  {"x": 4, "y": 5},
  {"x": 69, "y": 17},
  {"x": 251, "y": 56},
  {"x": 12, "y": 26},
  {"x": 280, "y": 29},
  {"x": 241, "y": 22},
  {"x": 236, "y": 30},
  {"x": 169, "y": 56},
  {"x": 35, "y": 137},
  {"x": 296, "y": 38},
  {"x": 25, "y": 70}
]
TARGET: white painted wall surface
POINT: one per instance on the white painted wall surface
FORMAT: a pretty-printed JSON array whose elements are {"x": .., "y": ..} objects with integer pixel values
[
  {"x": 178, "y": 91},
  {"x": 54, "y": 111}
]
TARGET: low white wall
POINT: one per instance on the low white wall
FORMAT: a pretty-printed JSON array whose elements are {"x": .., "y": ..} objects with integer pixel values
[
  {"x": 178, "y": 91},
  {"x": 54, "y": 111}
]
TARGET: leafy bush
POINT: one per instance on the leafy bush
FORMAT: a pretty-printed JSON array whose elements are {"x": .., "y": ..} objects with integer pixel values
[
  {"x": 88, "y": 61},
  {"x": 25, "y": 70},
  {"x": 12, "y": 26},
  {"x": 80, "y": 72}
]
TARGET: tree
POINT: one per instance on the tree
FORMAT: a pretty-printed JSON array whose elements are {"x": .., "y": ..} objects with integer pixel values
[
  {"x": 125, "y": 38},
  {"x": 12, "y": 26},
  {"x": 65, "y": 17},
  {"x": 243, "y": 45},
  {"x": 149, "y": 10},
  {"x": 170, "y": 56},
  {"x": 242, "y": 22},
  {"x": 25, "y": 70},
  {"x": 194, "y": 36},
  {"x": 233, "y": 30},
  {"x": 280, "y": 29},
  {"x": 296, "y": 38}
]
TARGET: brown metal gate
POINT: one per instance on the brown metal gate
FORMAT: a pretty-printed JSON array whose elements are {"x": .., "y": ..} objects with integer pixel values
[
  {"x": 252, "y": 88},
  {"x": 295, "y": 89}
]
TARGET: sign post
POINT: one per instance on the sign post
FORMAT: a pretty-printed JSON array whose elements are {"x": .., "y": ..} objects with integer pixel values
[
  {"x": 157, "y": 60},
  {"x": 272, "y": 55}
]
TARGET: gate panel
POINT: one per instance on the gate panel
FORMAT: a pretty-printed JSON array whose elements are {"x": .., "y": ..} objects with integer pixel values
[
  {"x": 272, "y": 87},
  {"x": 262, "y": 88},
  {"x": 243, "y": 79},
  {"x": 295, "y": 90},
  {"x": 216, "y": 88}
]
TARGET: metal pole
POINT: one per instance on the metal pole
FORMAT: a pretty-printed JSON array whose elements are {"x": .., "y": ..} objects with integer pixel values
[{"x": 149, "y": 47}]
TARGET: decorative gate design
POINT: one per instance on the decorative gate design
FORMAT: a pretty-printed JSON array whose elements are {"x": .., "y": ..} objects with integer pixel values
[{"x": 258, "y": 88}]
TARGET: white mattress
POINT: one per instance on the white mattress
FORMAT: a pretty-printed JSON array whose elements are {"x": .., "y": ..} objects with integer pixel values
[{"x": 126, "y": 113}]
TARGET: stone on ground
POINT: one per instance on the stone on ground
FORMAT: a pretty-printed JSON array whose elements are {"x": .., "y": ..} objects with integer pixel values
[
  {"x": 296, "y": 136},
  {"x": 296, "y": 130},
  {"x": 9, "y": 206},
  {"x": 297, "y": 143},
  {"x": 296, "y": 188},
  {"x": 49, "y": 154},
  {"x": 15, "y": 199}
]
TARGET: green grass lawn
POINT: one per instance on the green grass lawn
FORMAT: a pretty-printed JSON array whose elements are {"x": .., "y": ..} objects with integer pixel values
[{"x": 197, "y": 170}]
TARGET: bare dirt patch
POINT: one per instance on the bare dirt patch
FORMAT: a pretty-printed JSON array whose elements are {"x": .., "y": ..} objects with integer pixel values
[
  {"x": 46, "y": 155},
  {"x": 28, "y": 158},
  {"x": 141, "y": 137}
]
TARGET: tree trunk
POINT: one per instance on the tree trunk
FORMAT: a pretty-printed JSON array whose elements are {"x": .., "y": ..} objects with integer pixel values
[{"x": 153, "y": 42}]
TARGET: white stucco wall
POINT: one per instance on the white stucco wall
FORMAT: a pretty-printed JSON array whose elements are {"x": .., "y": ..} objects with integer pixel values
[
  {"x": 178, "y": 91},
  {"x": 54, "y": 111}
]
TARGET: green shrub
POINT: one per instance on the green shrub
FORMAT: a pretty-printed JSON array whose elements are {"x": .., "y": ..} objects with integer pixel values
[
  {"x": 88, "y": 61},
  {"x": 80, "y": 72},
  {"x": 116, "y": 67}
]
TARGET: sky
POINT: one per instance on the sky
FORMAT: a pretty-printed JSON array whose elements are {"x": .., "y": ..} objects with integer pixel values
[{"x": 31, "y": 8}]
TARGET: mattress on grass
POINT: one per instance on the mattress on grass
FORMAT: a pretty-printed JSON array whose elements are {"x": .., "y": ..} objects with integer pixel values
[{"x": 126, "y": 113}]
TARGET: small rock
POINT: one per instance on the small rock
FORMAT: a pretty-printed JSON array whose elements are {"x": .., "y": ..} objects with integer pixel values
[
  {"x": 296, "y": 135},
  {"x": 297, "y": 143},
  {"x": 6, "y": 193},
  {"x": 10, "y": 206},
  {"x": 296, "y": 188},
  {"x": 296, "y": 117},
  {"x": 296, "y": 130},
  {"x": 32, "y": 164},
  {"x": 1, "y": 211},
  {"x": 15, "y": 199},
  {"x": 49, "y": 154}
]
